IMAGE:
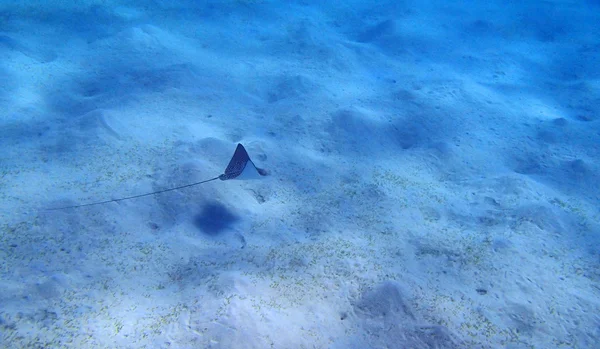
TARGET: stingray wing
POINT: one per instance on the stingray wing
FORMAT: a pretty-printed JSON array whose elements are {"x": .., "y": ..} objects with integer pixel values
[{"x": 241, "y": 166}]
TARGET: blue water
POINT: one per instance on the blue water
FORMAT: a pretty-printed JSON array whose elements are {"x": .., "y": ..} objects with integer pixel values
[{"x": 433, "y": 174}]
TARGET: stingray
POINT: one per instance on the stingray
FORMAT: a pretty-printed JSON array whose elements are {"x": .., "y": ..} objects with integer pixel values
[{"x": 240, "y": 167}]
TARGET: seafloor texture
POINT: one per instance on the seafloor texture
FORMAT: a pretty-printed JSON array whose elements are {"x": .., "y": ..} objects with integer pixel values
[{"x": 434, "y": 174}]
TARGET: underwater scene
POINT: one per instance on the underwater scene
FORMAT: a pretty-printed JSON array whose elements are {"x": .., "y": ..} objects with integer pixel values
[{"x": 300, "y": 174}]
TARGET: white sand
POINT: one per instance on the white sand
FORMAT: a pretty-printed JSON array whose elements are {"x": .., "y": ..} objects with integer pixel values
[{"x": 434, "y": 174}]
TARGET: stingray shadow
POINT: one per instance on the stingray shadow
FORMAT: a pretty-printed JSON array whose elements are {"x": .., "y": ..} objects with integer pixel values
[{"x": 214, "y": 219}]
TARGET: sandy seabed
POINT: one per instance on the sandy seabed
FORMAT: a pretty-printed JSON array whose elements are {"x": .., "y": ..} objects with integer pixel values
[{"x": 433, "y": 174}]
